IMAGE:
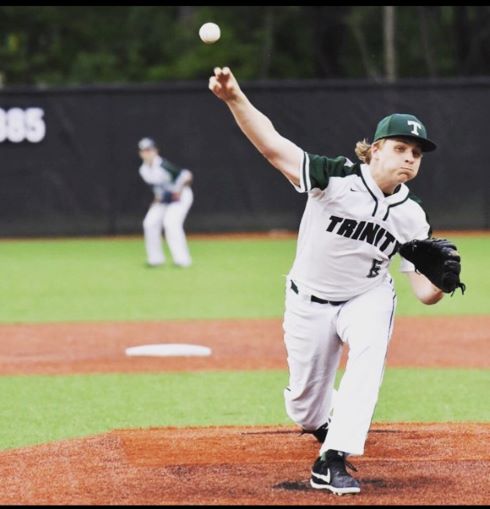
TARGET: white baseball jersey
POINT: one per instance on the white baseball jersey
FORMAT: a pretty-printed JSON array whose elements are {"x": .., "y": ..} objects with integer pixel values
[
  {"x": 350, "y": 230},
  {"x": 163, "y": 176}
]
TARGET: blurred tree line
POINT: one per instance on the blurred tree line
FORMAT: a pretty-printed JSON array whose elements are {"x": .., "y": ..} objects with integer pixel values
[{"x": 59, "y": 45}]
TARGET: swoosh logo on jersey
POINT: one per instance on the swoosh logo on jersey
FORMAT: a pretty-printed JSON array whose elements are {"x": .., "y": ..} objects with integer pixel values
[{"x": 354, "y": 190}]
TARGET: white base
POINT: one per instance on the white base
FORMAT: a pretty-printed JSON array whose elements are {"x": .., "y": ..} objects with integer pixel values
[{"x": 168, "y": 350}]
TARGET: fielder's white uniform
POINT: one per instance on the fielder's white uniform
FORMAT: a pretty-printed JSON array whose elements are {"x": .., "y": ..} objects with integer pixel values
[
  {"x": 166, "y": 178},
  {"x": 348, "y": 235}
]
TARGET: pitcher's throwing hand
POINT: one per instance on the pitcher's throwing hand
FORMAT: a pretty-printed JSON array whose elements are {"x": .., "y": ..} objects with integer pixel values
[{"x": 223, "y": 84}]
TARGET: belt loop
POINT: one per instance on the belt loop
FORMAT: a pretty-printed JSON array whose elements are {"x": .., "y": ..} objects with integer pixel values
[{"x": 294, "y": 287}]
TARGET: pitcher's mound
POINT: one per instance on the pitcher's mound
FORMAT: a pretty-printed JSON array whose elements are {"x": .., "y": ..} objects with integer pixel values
[{"x": 408, "y": 464}]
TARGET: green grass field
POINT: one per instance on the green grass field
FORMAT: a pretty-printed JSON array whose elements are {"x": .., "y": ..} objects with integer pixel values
[
  {"x": 38, "y": 409},
  {"x": 83, "y": 280},
  {"x": 104, "y": 279}
]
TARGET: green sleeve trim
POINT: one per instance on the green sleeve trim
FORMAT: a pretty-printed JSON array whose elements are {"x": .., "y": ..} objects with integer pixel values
[
  {"x": 418, "y": 201},
  {"x": 171, "y": 168},
  {"x": 317, "y": 170}
]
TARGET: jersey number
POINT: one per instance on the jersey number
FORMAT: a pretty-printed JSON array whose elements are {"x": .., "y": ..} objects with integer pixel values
[{"x": 374, "y": 271}]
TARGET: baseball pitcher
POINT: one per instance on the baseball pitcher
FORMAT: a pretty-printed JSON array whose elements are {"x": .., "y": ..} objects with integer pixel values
[
  {"x": 173, "y": 198},
  {"x": 358, "y": 215}
]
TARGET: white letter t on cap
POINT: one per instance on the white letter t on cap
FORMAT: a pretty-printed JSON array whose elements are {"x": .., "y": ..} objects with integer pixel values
[{"x": 416, "y": 126}]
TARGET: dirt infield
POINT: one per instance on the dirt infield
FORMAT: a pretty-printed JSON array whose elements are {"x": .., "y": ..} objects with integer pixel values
[
  {"x": 403, "y": 464},
  {"x": 236, "y": 344}
]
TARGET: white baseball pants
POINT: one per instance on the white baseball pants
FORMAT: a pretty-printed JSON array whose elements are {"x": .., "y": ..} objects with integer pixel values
[
  {"x": 314, "y": 335},
  {"x": 169, "y": 217}
]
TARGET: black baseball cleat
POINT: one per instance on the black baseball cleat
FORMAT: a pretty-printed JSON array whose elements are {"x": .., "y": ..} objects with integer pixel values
[
  {"x": 320, "y": 434},
  {"x": 329, "y": 473}
]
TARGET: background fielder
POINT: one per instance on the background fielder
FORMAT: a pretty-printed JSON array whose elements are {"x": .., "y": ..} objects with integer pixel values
[
  {"x": 173, "y": 198},
  {"x": 339, "y": 289}
]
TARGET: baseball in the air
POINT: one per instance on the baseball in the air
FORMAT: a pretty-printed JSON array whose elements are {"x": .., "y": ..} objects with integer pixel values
[{"x": 209, "y": 33}]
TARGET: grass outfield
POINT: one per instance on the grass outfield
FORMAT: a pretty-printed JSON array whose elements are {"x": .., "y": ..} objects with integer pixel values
[
  {"x": 39, "y": 409},
  {"x": 106, "y": 279}
]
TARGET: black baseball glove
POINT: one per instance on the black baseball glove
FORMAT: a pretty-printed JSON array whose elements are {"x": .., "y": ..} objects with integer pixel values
[{"x": 436, "y": 259}]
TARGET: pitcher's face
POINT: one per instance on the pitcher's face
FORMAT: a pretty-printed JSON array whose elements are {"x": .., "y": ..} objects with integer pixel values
[{"x": 397, "y": 159}]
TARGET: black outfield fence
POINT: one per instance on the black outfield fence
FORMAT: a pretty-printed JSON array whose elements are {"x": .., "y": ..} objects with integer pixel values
[{"x": 69, "y": 161}]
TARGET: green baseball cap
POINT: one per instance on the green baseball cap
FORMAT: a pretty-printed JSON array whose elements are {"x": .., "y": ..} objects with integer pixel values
[{"x": 406, "y": 126}]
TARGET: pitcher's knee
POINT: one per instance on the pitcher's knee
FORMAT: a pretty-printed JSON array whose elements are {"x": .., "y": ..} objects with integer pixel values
[{"x": 304, "y": 414}]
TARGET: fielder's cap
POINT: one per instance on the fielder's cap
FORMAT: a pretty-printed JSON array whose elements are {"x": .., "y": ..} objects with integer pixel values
[
  {"x": 406, "y": 126},
  {"x": 146, "y": 143}
]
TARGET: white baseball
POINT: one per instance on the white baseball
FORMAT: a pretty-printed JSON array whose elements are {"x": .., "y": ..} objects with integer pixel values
[{"x": 209, "y": 33}]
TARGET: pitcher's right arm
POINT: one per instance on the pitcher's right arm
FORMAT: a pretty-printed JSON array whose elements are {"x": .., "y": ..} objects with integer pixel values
[{"x": 279, "y": 151}]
